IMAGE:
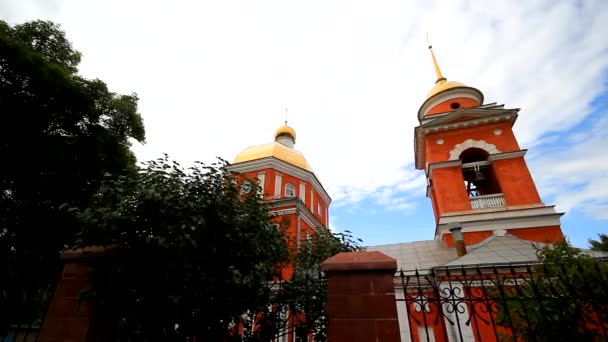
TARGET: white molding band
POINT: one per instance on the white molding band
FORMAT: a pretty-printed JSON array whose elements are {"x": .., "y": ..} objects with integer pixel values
[
  {"x": 500, "y": 218},
  {"x": 307, "y": 215},
  {"x": 441, "y": 165},
  {"x": 470, "y": 143},
  {"x": 507, "y": 155},
  {"x": 281, "y": 166}
]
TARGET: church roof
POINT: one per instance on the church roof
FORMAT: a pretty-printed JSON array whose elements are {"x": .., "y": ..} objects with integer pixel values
[
  {"x": 499, "y": 250},
  {"x": 419, "y": 255},
  {"x": 494, "y": 250}
]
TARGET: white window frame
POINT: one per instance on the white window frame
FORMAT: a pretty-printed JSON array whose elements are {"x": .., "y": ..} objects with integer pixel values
[{"x": 290, "y": 190}]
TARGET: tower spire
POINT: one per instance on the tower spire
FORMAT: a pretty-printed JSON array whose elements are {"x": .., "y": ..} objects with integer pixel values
[{"x": 440, "y": 77}]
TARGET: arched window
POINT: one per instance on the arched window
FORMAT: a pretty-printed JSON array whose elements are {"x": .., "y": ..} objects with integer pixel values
[
  {"x": 246, "y": 186},
  {"x": 290, "y": 190},
  {"x": 479, "y": 178}
]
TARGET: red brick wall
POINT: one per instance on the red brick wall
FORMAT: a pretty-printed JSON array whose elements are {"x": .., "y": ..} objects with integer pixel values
[{"x": 361, "y": 297}]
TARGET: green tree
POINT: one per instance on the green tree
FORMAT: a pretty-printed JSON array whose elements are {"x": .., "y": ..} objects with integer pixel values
[
  {"x": 304, "y": 296},
  {"x": 562, "y": 299},
  {"x": 59, "y": 134},
  {"x": 600, "y": 245},
  {"x": 190, "y": 249}
]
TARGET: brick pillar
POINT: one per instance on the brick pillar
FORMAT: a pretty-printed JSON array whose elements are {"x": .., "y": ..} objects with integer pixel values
[
  {"x": 69, "y": 318},
  {"x": 361, "y": 297}
]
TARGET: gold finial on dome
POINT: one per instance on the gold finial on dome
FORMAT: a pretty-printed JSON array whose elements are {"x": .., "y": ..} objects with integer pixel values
[
  {"x": 440, "y": 77},
  {"x": 285, "y": 130}
]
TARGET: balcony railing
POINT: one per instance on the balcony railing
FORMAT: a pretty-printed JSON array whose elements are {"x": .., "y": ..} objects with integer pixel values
[{"x": 488, "y": 201}]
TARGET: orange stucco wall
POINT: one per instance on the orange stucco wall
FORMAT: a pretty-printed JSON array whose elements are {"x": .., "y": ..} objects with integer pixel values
[
  {"x": 445, "y": 106},
  {"x": 435, "y": 152},
  {"x": 449, "y": 190},
  {"x": 515, "y": 181}
]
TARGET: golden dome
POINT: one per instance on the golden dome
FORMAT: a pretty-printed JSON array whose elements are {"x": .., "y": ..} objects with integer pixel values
[
  {"x": 444, "y": 85},
  {"x": 285, "y": 130},
  {"x": 276, "y": 150}
]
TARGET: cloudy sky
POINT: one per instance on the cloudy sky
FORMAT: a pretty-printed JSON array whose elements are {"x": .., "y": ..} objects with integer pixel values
[{"x": 215, "y": 77}]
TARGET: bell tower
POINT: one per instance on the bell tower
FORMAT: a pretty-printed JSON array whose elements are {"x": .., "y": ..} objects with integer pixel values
[{"x": 477, "y": 176}]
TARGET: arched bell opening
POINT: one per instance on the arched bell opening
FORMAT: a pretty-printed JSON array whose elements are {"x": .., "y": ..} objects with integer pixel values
[{"x": 479, "y": 176}]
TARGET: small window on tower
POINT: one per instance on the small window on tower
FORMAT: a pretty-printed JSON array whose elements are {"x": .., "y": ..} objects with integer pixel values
[
  {"x": 290, "y": 190},
  {"x": 455, "y": 105}
]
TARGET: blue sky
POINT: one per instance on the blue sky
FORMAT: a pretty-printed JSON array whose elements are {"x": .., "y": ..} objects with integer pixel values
[{"x": 214, "y": 77}]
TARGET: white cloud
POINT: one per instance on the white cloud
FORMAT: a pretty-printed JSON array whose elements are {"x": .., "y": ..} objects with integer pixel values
[
  {"x": 576, "y": 175},
  {"x": 214, "y": 76}
]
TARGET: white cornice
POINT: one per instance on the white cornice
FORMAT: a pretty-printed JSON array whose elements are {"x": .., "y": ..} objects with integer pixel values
[
  {"x": 278, "y": 206},
  {"x": 441, "y": 165},
  {"x": 500, "y": 218},
  {"x": 486, "y": 116},
  {"x": 281, "y": 166},
  {"x": 507, "y": 155}
]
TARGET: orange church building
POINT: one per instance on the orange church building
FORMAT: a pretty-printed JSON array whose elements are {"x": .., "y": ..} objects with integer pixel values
[
  {"x": 287, "y": 182},
  {"x": 487, "y": 209},
  {"x": 488, "y": 212}
]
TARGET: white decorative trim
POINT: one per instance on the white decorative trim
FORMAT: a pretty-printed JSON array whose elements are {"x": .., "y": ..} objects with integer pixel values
[
  {"x": 507, "y": 155},
  {"x": 460, "y": 314},
  {"x": 500, "y": 218},
  {"x": 441, "y": 165},
  {"x": 282, "y": 166},
  {"x": 440, "y": 141},
  {"x": 303, "y": 191},
  {"x": 432, "y": 124},
  {"x": 307, "y": 214},
  {"x": 470, "y": 143},
  {"x": 497, "y": 131},
  {"x": 261, "y": 182},
  {"x": 278, "y": 185},
  {"x": 284, "y": 212},
  {"x": 500, "y": 232}
]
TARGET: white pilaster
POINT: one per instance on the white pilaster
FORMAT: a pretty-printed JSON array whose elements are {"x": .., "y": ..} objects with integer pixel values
[
  {"x": 303, "y": 192},
  {"x": 455, "y": 310},
  {"x": 261, "y": 182},
  {"x": 278, "y": 185}
]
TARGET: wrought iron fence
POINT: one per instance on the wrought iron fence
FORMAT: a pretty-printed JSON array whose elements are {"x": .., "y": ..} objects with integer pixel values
[{"x": 544, "y": 302}]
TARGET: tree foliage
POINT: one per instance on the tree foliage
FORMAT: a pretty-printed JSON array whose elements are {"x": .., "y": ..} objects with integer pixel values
[
  {"x": 600, "y": 245},
  {"x": 562, "y": 299},
  {"x": 306, "y": 292},
  {"x": 59, "y": 134},
  {"x": 190, "y": 250},
  {"x": 298, "y": 305}
]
